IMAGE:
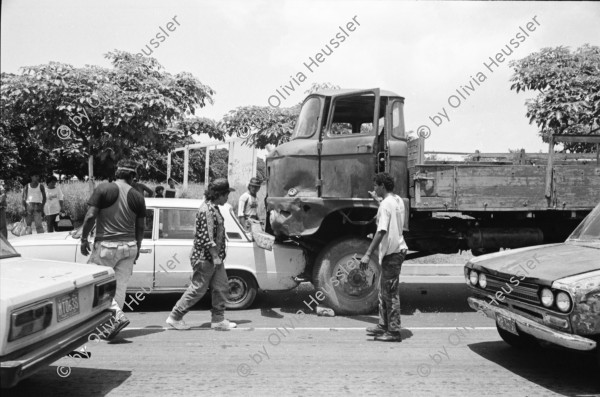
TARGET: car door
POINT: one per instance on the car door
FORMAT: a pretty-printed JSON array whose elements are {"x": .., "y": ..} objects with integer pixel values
[{"x": 174, "y": 241}]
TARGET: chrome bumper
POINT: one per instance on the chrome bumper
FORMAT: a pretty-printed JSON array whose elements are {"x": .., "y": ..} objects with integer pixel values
[{"x": 533, "y": 328}]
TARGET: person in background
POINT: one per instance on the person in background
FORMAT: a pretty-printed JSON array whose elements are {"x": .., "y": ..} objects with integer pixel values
[
  {"x": 392, "y": 251},
  {"x": 3, "y": 225},
  {"x": 171, "y": 191},
  {"x": 34, "y": 200},
  {"x": 248, "y": 203},
  {"x": 140, "y": 187},
  {"x": 158, "y": 191},
  {"x": 119, "y": 212},
  {"x": 54, "y": 203},
  {"x": 208, "y": 254}
]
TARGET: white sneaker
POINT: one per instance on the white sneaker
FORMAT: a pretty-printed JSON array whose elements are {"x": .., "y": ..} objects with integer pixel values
[
  {"x": 224, "y": 325},
  {"x": 177, "y": 324}
]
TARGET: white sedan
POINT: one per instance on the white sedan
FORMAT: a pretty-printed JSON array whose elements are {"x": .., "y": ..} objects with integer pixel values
[
  {"x": 47, "y": 310},
  {"x": 164, "y": 264}
]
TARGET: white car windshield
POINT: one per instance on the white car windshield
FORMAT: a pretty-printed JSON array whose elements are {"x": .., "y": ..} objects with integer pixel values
[
  {"x": 589, "y": 228},
  {"x": 7, "y": 250}
]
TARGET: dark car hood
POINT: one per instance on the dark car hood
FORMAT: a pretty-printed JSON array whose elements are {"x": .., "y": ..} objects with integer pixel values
[{"x": 546, "y": 263}]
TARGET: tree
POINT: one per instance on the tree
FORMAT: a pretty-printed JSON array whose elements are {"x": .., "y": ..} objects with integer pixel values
[
  {"x": 569, "y": 91},
  {"x": 132, "y": 108}
]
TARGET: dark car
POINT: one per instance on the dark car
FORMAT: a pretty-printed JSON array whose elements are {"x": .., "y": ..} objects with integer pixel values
[{"x": 547, "y": 293}]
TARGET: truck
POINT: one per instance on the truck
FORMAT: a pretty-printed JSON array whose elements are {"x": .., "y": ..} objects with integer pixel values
[{"x": 318, "y": 193}]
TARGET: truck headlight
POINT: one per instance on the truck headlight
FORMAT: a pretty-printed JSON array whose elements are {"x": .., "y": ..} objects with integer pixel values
[
  {"x": 473, "y": 277},
  {"x": 30, "y": 319},
  {"x": 482, "y": 281},
  {"x": 563, "y": 302},
  {"x": 547, "y": 297}
]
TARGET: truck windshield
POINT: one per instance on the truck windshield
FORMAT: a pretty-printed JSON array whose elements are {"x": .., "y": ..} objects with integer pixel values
[
  {"x": 589, "y": 228},
  {"x": 308, "y": 121}
]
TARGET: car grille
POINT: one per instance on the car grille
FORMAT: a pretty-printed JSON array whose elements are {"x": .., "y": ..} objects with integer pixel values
[{"x": 524, "y": 291}]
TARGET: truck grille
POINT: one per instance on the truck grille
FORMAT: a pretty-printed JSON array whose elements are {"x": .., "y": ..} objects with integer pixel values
[{"x": 524, "y": 291}]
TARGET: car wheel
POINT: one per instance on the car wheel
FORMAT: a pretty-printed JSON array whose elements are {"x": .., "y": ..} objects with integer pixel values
[
  {"x": 242, "y": 290},
  {"x": 346, "y": 288},
  {"x": 521, "y": 341}
]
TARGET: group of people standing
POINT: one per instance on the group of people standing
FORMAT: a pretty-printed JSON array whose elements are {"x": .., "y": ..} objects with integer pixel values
[{"x": 42, "y": 203}]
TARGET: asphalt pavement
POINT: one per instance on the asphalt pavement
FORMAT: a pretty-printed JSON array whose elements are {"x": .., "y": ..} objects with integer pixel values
[{"x": 447, "y": 350}]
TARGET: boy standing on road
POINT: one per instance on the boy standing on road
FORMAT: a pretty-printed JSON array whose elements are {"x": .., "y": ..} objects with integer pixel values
[
  {"x": 392, "y": 251},
  {"x": 119, "y": 212},
  {"x": 248, "y": 203},
  {"x": 207, "y": 258},
  {"x": 34, "y": 199}
]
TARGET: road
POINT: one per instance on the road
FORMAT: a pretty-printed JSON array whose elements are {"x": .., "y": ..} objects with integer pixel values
[{"x": 447, "y": 350}]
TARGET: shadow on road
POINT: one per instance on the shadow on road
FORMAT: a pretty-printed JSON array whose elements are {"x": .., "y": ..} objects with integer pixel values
[
  {"x": 81, "y": 382},
  {"x": 559, "y": 370},
  {"x": 423, "y": 298}
]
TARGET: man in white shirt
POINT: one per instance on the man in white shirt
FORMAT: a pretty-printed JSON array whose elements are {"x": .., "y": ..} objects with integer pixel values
[
  {"x": 392, "y": 251},
  {"x": 248, "y": 203}
]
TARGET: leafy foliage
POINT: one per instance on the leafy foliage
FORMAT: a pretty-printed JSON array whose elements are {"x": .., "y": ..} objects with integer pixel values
[
  {"x": 66, "y": 114},
  {"x": 569, "y": 91}
]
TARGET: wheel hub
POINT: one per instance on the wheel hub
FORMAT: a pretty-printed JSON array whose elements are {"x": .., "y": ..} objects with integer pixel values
[{"x": 237, "y": 289}]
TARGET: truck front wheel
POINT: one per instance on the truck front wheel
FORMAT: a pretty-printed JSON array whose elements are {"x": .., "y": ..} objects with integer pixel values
[{"x": 337, "y": 275}]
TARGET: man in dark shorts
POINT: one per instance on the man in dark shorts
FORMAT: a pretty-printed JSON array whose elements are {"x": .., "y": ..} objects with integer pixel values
[{"x": 118, "y": 211}]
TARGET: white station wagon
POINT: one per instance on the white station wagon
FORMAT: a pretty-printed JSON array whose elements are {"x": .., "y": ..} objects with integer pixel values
[
  {"x": 47, "y": 310},
  {"x": 164, "y": 262}
]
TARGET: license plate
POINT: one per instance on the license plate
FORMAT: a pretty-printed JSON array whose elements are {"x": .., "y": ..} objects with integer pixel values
[
  {"x": 67, "y": 306},
  {"x": 507, "y": 324}
]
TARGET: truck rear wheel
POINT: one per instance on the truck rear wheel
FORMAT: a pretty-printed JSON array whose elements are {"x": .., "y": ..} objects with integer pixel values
[{"x": 347, "y": 289}]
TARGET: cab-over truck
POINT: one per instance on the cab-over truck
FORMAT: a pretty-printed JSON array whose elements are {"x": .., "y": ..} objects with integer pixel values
[{"x": 318, "y": 183}]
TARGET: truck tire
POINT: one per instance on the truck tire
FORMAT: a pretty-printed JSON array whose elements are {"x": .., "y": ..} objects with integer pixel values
[
  {"x": 242, "y": 290},
  {"x": 346, "y": 288}
]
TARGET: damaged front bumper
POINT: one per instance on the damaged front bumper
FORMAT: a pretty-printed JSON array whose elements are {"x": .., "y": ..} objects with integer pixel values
[{"x": 533, "y": 328}]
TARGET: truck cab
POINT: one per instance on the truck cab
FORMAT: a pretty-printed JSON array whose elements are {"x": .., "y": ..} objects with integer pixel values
[{"x": 341, "y": 140}]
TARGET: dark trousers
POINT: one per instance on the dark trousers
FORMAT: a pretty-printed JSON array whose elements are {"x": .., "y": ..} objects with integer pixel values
[
  {"x": 51, "y": 222},
  {"x": 205, "y": 275},
  {"x": 3, "y": 224},
  {"x": 389, "y": 291}
]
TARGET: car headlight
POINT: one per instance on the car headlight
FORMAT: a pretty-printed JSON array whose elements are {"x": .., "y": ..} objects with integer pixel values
[
  {"x": 482, "y": 281},
  {"x": 547, "y": 297},
  {"x": 473, "y": 277},
  {"x": 563, "y": 302}
]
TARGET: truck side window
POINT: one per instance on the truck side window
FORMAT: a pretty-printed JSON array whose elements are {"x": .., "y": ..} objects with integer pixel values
[
  {"x": 352, "y": 116},
  {"x": 397, "y": 121}
]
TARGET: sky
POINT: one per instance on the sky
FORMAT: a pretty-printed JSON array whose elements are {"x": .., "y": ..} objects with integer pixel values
[{"x": 246, "y": 50}]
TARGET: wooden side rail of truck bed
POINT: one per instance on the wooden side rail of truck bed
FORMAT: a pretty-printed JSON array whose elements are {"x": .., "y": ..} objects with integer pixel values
[{"x": 502, "y": 181}]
